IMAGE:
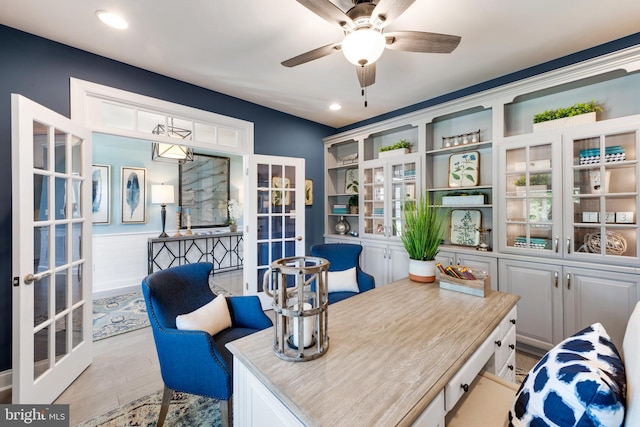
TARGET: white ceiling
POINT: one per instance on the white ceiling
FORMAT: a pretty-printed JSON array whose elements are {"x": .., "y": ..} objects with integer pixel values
[{"x": 235, "y": 47}]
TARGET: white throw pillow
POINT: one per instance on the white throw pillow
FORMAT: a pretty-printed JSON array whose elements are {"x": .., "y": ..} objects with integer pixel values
[
  {"x": 212, "y": 317},
  {"x": 631, "y": 354},
  {"x": 343, "y": 281}
]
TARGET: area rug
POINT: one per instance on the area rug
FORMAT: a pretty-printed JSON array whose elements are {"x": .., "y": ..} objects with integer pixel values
[
  {"x": 119, "y": 314},
  {"x": 185, "y": 410},
  {"x": 124, "y": 313}
]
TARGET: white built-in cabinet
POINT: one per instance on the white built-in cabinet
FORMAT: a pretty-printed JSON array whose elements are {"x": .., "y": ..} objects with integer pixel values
[
  {"x": 556, "y": 300},
  {"x": 385, "y": 262},
  {"x": 561, "y": 204}
]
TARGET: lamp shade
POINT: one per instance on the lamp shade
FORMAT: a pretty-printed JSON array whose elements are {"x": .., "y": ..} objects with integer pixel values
[
  {"x": 162, "y": 194},
  {"x": 363, "y": 47}
]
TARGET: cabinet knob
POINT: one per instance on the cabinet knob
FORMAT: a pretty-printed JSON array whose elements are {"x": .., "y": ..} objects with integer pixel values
[
  {"x": 499, "y": 343},
  {"x": 512, "y": 346},
  {"x": 510, "y": 367},
  {"x": 513, "y": 321},
  {"x": 465, "y": 387}
]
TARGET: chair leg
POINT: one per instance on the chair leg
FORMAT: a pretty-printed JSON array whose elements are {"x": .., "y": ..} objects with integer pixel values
[
  {"x": 164, "y": 407},
  {"x": 226, "y": 412}
]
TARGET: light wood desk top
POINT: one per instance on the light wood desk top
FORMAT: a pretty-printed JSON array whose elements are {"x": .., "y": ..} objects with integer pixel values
[{"x": 391, "y": 351}]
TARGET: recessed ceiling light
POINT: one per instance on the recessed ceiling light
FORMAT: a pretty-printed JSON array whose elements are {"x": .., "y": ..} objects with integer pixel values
[
  {"x": 111, "y": 19},
  {"x": 335, "y": 106}
]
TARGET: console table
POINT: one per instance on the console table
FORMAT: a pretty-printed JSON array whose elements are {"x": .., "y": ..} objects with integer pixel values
[
  {"x": 223, "y": 250},
  {"x": 399, "y": 355}
]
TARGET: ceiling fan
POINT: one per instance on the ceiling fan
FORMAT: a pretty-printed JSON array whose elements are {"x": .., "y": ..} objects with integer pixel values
[{"x": 365, "y": 39}]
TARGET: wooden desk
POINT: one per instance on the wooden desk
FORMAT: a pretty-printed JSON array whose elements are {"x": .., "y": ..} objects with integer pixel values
[{"x": 392, "y": 352}]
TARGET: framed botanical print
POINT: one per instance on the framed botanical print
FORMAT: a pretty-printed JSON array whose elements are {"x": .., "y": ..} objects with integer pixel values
[
  {"x": 101, "y": 194},
  {"x": 280, "y": 197},
  {"x": 308, "y": 192},
  {"x": 464, "y": 169},
  {"x": 465, "y": 226},
  {"x": 351, "y": 181},
  {"x": 133, "y": 195}
]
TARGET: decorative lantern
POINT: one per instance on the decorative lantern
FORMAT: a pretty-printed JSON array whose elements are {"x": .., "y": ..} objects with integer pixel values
[{"x": 298, "y": 286}]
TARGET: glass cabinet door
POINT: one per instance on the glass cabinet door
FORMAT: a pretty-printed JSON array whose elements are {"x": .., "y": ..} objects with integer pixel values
[
  {"x": 373, "y": 193},
  {"x": 602, "y": 216},
  {"x": 388, "y": 187},
  {"x": 403, "y": 191},
  {"x": 532, "y": 195}
]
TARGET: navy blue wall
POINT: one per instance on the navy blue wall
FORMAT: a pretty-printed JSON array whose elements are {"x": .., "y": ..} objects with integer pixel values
[{"x": 40, "y": 70}]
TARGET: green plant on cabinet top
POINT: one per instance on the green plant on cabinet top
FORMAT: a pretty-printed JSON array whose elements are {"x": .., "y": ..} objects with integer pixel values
[
  {"x": 574, "y": 110},
  {"x": 398, "y": 145}
]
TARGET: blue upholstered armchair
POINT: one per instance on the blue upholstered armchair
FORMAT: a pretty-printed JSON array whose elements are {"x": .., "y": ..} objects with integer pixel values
[
  {"x": 193, "y": 361},
  {"x": 343, "y": 256}
]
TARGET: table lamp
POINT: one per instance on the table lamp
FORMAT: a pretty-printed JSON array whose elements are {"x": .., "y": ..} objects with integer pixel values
[{"x": 162, "y": 194}]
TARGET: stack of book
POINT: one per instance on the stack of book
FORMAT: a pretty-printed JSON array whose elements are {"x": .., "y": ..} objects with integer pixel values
[
  {"x": 612, "y": 154},
  {"x": 534, "y": 243},
  {"x": 339, "y": 209},
  {"x": 378, "y": 211}
]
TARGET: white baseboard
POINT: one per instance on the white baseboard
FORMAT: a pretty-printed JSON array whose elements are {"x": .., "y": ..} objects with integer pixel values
[
  {"x": 116, "y": 291},
  {"x": 6, "y": 379}
]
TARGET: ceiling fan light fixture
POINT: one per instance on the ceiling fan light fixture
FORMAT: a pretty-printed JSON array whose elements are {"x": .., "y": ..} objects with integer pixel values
[
  {"x": 113, "y": 20},
  {"x": 363, "y": 47}
]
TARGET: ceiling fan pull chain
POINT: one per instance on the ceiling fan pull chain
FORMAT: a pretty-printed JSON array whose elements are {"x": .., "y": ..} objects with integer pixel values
[{"x": 364, "y": 93}]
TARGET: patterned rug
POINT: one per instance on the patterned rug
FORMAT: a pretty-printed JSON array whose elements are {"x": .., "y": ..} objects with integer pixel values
[
  {"x": 185, "y": 410},
  {"x": 124, "y": 313},
  {"x": 119, "y": 314}
]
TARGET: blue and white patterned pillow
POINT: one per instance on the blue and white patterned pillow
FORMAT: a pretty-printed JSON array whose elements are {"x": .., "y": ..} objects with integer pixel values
[{"x": 580, "y": 383}]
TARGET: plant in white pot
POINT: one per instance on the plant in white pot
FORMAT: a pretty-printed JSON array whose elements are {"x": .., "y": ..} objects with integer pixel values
[{"x": 424, "y": 228}]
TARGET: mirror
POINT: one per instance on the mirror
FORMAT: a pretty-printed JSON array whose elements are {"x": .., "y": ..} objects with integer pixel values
[{"x": 204, "y": 191}]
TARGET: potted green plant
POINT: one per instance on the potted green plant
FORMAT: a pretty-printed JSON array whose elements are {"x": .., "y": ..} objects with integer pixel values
[
  {"x": 581, "y": 112},
  {"x": 401, "y": 147},
  {"x": 423, "y": 231},
  {"x": 537, "y": 182},
  {"x": 353, "y": 200}
]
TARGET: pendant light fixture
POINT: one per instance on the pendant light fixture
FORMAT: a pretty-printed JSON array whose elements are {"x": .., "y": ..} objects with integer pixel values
[{"x": 168, "y": 152}]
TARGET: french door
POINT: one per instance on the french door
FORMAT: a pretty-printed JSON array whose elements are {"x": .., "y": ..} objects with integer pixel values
[
  {"x": 276, "y": 221},
  {"x": 51, "y": 252}
]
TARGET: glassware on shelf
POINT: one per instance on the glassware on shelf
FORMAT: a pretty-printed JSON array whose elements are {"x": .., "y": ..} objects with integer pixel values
[
  {"x": 483, "y": 244},
  {"x": 342, "y": 226}
]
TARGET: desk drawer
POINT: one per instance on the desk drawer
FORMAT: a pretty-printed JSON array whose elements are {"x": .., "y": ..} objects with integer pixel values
[
  {"x": 504, "y": 347},
  {"x": 508, "y": 372},
  {"x": 465, "y": 376},
  {"x": 508, "y": 322},
  {"x": 433, "y": 416}
]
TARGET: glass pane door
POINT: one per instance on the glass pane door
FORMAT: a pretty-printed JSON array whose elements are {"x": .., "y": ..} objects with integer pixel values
[
  {"x": 276, "y": 223},
  {"x": 403, "y": 191},
  {"x": 52, "y": 313},
  {"x": 374, "y": 200},
  {"x": 605, "y": 195},
  {"x": 529, "y": 197}
]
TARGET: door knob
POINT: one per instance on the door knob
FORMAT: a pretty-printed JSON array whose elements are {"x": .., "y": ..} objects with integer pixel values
[
  {"x": 30, "y": 278},
  {"x": 299, "y": 238}
]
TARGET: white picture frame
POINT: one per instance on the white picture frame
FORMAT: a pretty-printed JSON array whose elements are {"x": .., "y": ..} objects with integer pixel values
[
  {"x": 133, "y": 195},
  {"x": 465, "y": 224},
  {"x": 101, "y": 194}
]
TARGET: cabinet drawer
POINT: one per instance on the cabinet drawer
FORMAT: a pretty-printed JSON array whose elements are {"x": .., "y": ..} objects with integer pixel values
[
  {"x": 433, "y": 416},
  {"x": 508, "y": 322},
  {"x": 508, "y": 372},
  {"x": 455, "y": 388},
  {"x": 507, "y": 345}
]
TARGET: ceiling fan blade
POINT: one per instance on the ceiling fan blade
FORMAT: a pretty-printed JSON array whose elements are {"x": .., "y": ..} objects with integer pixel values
[
  {"x": 418, "y": 41},
  {"x": 388, "y": 10},
  {"x": 366, "y": 75},
  {"x": 327, "y": 11},
  {"x": 312, "y": 54}
]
